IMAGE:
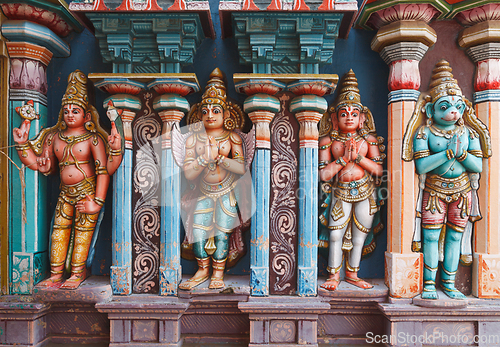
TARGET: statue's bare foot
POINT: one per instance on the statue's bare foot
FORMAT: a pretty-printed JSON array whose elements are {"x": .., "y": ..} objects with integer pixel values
[
  {"x": 352, "y": 278},
  {"x": 429, "y": 292},
  {"x": 199, "y": 277},
  {"x": 332, "y": 282},
  {"x": 54, "y": 281},
  {"x": 452, "y": 292},
  {"x": 75, "y": 280}
]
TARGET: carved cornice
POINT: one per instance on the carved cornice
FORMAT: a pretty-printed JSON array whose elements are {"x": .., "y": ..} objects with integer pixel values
[
  {"x": 286, "y": 42},
  {"x": 483, "y": 32},
  {"x": 54, "y": 15},
  {"x": 345, "y": 9},
  {"x": 418, "y": 12},
  {"x": 479, "y": 14},
  {"x": 138, "y": 42},
  {"x": 403, "y": 31},
  {"x": 377, "y": 13}
]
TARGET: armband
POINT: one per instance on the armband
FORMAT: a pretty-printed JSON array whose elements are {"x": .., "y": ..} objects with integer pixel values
[
  {"x": 23, "y": 147},
  {"x": 100, "y": 170},
  {"x": 99, "y": 201},
  {"x": 341, "y": 161},
  {"x": 462, "y": 157},
  {"x": 202, "y": 162},
  {"x": 322, "y": 164},
  {"x": 476, "y": 152},
  {"x": 449, "y": 154},
  {"x": 115, "y": 152},
  {"x": 421, "y": 154}
]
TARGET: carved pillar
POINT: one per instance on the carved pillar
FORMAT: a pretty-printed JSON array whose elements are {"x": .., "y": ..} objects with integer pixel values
[
  {"x": 171, "y": 107},
  {"x": 309, "y": 107},
  {"x": 402, "y": 45},
  {"x": 30, "y": 47},
  {"x": 121, "y": 267},
  {"x": 261, "y": 107},
  {"x": 4, "y": 165},
  {"x": 482, "y": 42}
]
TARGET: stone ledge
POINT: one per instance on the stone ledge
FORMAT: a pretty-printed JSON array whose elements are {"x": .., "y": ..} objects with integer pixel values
[{"x": 94, "y": 289}]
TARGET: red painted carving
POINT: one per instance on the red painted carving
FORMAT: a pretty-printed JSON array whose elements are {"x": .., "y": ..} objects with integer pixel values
[
  {"x": 487, "y": 75},
  {"x": 51, "y": 20},
  {"x": 479, "y": 14},
  {"x": 275, "y": 5},
  {"x": 28, "y": 74},
  {"x": 134, "y": 5},
  {"x": 404, "y": 74},
  {"x": 327, "y": 5},
  {"x": 422, "y": 12},
  {"x": 300, "y": 5},
  {"x": 178, "y": 5},
  {"x": 249, "y": 5}
]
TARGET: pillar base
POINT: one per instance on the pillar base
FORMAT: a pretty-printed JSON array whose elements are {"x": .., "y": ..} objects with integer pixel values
[
  {"x": 287, "y": 321},
  {"x": 403, "y": 274},
  {"x": 169, "y": 280},
  {"x": 121, "y": 280},
  {"x": 486, "y": 276}
]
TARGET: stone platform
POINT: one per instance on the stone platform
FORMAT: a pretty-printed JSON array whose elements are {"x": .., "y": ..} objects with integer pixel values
[{"x": 350, "y": 316}]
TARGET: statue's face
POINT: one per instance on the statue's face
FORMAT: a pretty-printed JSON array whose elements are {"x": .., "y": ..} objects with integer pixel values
[
  {"x": 447, "y": 110},
  {"x": 74, "y": 116},
  {"x": 349, "y": 118},
  {"x": 212, "y": 116}
]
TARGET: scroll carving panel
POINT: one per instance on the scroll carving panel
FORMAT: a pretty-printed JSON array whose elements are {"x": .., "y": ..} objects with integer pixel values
[{"x": 284, "y": 202}]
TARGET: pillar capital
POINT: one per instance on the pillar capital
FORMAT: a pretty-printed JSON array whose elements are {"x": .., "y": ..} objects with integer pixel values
[{"x": 404, "y": 31}]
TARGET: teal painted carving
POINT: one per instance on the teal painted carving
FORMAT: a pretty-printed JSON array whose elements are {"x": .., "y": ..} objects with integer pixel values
[
  {"x": 350, "y": 165},
  {"x": 448, "y": 143},
  {"x": 22, "y": 273},
  {"x": 286, "y": 42},
  {"x": 147, "y": 43}
]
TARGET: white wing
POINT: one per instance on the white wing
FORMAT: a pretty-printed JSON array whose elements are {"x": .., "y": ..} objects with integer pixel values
[
  {"x": 248, "y": 145},
  {"x": 179, "y": 145}
]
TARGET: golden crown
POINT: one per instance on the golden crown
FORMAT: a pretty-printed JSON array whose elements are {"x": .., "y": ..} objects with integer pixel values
[
  {"x": 76, "y": 92},
  {"x": 215, "y": 91},
  {"x": 442, "y": 81},
  {"x": 349, "y": 92}
]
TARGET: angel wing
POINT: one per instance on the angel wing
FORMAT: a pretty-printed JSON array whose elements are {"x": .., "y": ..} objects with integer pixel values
[
  {"x": 248, "y": 145},
  {"x": 179, "y": 144}
]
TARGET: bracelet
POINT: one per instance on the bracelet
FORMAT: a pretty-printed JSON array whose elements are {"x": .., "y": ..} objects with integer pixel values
[
  {"x": 115, "y": 152},
  {"x": 449, "y": 154},
  {"x": 22, "y": 146},
  {"x": 202, "y": 162},
  {"x": 462, "y": 157},
  {"x": 341, "y": 161},
  {"x": 358, "y": 158},
  {"x": 323, "y": 163},
  {"x": 99, "y": 201}
]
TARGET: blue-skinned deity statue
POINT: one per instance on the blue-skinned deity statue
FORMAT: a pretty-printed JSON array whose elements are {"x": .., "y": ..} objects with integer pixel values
[{"x": 448, "y": 143}]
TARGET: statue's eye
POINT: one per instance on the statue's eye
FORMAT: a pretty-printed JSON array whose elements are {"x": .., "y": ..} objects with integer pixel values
[
  {"x": 343, "y": 114},
  {"x": 216, "y": 111},
  {"x": 204, "y": 112},
  {"x": 443, "y": 107},
  {"x": 459, "y": 107}
]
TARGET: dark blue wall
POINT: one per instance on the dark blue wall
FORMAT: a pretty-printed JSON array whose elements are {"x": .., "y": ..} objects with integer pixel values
[{"x": 352, "y": 53}]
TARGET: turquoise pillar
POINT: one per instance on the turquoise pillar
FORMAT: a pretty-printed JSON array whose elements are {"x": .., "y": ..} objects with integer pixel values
[
  {"x": 261, "y": 109},
  {"x": 171, "y": 107},
  {"x": 31, "y": 47},
  {"x": 124, "y": 91},
  {"x": 309, "y": 110}
]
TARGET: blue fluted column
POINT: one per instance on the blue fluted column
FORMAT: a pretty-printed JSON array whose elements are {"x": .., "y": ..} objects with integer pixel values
[
  {"x": 308, "y": 110},
  {"x": 261, "y": 109},
  {"x": 171, "y": 107},
  {"x": 121, "y": 269},
  {"x": 124, "y": 91}
]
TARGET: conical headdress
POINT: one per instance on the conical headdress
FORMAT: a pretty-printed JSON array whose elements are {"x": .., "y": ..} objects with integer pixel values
[
  {"x": 76, "y": 92},
  {"x": 442, "y": 81},
  {"x": 349, "y": 92},
  {"x": 215, "y": 91}
]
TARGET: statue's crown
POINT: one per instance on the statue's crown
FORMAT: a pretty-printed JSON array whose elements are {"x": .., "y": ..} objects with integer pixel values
[
  {"x": 442, "y": 81},
  {"x": 215, "y": 91},
  {"x": 76, "y": 91},
  {"x": 349, "y": 92}
]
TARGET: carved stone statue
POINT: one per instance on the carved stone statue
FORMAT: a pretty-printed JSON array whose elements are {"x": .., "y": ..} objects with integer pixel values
[
  {"x": 350, "y": 160},
  {"x": 213, "y": 156},
  {"x": 86, "y": 157},
  {"x": 448, "y": 143}
]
